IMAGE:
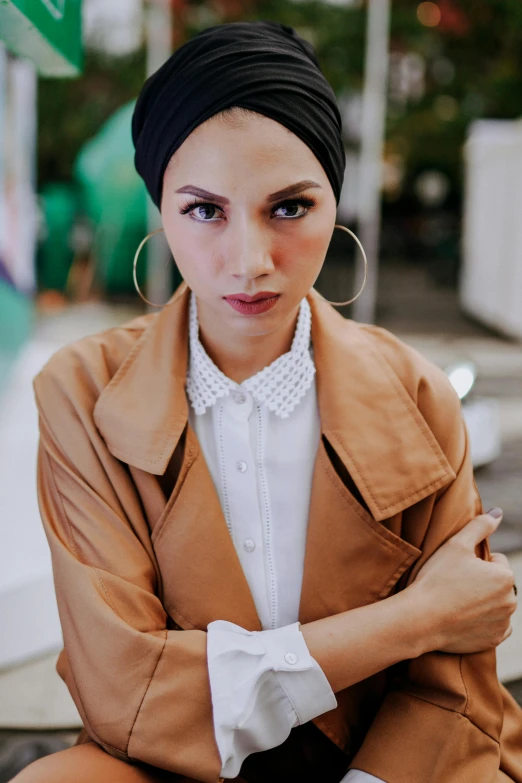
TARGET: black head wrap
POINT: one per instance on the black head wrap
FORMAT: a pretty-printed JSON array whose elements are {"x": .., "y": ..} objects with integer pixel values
[{"x": 262, "y": 66}]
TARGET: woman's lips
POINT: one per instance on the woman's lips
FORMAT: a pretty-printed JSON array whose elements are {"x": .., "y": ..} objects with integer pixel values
[{"x": 252, "y": 305}]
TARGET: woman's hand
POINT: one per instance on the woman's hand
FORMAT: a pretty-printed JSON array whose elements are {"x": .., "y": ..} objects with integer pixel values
[
  {"x": 469, "y": 601},
  {"x": 457, "y": 603}
]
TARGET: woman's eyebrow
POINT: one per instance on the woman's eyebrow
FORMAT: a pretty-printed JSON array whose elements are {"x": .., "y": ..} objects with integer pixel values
[
  {"x": 292, "y": 190},
  {"x": 195, "y": 191},
  {"x": 288, "y": 192}
]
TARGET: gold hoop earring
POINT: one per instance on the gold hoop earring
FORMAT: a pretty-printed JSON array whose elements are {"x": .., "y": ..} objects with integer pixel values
[
  {"x": 359, "y": 292},
  {"x": 136, "y": 286}
]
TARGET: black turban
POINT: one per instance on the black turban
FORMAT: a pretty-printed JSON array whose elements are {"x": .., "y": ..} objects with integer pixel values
[{"x": 262, "y": 66}]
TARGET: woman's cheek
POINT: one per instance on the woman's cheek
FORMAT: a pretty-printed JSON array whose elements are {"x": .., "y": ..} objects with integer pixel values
[
  {"x": 193, "y": 270},
  {"x": 185, "y": 249},
  {"x": 307, "y": 254}
]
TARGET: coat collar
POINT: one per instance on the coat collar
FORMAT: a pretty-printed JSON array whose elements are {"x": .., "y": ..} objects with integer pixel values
[{"x": 388, "y": 448}]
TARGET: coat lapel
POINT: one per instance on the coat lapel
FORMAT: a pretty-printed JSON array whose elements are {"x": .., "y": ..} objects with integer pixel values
[
  {"x": 382, "y": 444},
  {"x": 202, "y": 576},
  {"x": 371, "y": 420},
  {"x": 350, "y": 560},
  {"x": 143, "y": 411},
  {"x": 142, "y": 414}
]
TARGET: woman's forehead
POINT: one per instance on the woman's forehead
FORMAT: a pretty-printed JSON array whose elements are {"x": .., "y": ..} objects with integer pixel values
[{"x": 252, "y": 146}]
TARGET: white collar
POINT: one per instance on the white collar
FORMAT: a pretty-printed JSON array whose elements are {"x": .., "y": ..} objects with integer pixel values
[{"x": 280, "y": 386}]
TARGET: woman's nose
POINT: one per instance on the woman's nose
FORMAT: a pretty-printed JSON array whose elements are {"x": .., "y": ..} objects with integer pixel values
[{"x": 248, "y": 253}]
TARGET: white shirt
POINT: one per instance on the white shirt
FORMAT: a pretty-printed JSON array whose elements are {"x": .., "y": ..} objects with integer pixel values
[{"x": 260, "y": 439}]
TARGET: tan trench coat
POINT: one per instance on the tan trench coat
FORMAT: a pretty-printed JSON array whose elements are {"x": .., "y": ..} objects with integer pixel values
[{"x": 143, "y": 560}]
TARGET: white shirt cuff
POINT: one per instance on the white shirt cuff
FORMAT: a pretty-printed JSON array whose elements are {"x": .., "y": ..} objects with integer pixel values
[
  {"x": 263, "y": 683},
  {"x": 358, "y": 776}
]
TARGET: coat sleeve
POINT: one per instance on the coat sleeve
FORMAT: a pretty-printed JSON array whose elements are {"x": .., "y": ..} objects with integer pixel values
[
  {"x": 441, "y": 721},
  {"x": 142, "y": 689}
]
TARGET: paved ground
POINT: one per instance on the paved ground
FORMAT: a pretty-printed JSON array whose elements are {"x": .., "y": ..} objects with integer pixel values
[{"x": 18, "y": 749}]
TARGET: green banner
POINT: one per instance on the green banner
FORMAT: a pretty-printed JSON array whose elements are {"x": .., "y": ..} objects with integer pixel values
[{"x": 48, "y": 32}]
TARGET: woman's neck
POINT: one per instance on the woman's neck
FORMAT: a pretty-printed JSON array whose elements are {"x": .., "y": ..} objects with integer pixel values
[{"x": 241, "y": 356}]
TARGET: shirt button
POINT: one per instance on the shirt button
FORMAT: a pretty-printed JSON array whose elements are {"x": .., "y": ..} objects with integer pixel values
[
  {"x": 239, "y": 397},
  {"x": 249, "y": 545},
  {"x": 291, "y": 658},
  {"x": 242, "y": 466}
]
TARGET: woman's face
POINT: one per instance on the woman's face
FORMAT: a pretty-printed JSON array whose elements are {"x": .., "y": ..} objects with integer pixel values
[{"x": 247, "y": 208}]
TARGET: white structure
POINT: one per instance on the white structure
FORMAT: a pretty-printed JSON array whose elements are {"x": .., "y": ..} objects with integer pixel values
[
  {"x": 115, "y": 28},
  {"x": 18, "y": 211},
  {"x": 491, "y": 280}
]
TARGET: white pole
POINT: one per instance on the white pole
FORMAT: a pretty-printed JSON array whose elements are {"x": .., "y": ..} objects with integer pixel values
[
  {"x": 159, "y": 29},
  {"x": 372, "y": 136}
]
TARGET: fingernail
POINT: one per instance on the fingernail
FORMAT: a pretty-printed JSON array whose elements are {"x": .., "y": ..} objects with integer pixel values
[{"x": 496, "y": 512}]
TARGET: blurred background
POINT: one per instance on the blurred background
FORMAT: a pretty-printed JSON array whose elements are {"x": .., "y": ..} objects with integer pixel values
[{"x": 431, "y": 99}]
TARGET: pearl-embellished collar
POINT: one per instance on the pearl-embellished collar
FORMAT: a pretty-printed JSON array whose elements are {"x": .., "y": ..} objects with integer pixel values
[{"x": 280, "y": 386}]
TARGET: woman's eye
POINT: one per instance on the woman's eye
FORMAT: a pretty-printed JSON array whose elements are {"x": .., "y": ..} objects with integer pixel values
[
  {"x": 293, "y": 209},
  {"x": 204, "y": 212},
  {"x": 201, "y": 211}
]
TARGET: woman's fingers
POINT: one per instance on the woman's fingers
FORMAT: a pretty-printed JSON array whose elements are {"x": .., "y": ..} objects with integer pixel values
[
  {"x": 479, "y": 528},
  {"x": 471, "y": 599},
  {"x": 498, "y": 557}
]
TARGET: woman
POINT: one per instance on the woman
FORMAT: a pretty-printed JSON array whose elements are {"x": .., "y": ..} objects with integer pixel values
[{"x": 258, "y": 510}]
